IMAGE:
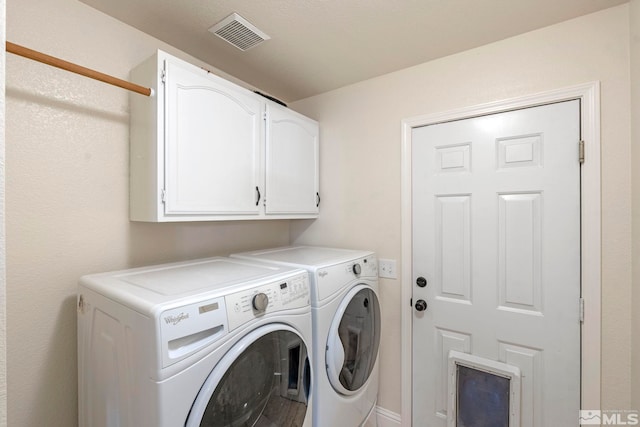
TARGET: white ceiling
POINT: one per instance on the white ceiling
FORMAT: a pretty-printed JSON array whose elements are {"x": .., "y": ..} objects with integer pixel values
[{"x": 320, "y": 45}]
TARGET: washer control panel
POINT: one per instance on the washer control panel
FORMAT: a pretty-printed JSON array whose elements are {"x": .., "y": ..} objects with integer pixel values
[{"x": 287, "y": 294}]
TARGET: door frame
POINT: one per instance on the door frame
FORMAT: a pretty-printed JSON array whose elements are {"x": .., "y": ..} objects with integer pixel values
[{"x": 590, "y": 193}]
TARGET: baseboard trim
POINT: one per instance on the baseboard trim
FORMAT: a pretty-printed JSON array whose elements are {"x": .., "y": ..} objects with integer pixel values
[{"x": 386, "y": 418}]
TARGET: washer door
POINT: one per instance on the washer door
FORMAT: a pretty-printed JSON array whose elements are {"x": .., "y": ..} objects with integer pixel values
[
  {"x": 264, "y": 379},
  {"x": 354, "y": 337}
]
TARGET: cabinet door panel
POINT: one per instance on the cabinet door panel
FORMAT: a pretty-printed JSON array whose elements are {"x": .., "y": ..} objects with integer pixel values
[
  {"x": 292, "y": 163},
  {"x": 212, "y": 145}
]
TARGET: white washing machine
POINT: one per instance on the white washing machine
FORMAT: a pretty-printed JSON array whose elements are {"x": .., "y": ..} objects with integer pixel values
[
  {"x": 211, "y": 342},
  {"x": 346, "y": 330}
]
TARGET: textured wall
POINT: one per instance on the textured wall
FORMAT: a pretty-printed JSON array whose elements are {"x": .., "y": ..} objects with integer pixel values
[
  {"x": 3, "y": 282},
  {"x": 67, "y": 197},
  {"x": 361, "y": 146},
  {"x": 634, "y": 20}
]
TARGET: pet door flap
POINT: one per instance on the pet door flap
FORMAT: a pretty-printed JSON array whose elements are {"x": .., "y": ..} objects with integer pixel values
[{"x": 482, "y": 392}]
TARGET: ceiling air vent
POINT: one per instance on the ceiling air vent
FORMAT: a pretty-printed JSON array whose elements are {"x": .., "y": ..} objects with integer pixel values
[{"x": 239, "y": 32}]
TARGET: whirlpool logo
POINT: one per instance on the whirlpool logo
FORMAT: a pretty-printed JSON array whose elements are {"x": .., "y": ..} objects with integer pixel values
[{"x": 174, "y": 320}]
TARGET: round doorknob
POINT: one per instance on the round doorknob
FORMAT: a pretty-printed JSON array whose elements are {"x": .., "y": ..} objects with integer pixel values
[
  {"x": 260, "y": 302},
  {"x": 421, "y": 305}
]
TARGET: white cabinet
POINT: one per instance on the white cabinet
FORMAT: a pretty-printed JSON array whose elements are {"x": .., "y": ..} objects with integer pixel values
[{"x": 205, "y": 149}]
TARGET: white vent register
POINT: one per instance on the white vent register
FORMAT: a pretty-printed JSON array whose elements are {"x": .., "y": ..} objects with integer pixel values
[{"x": 239, "y": 32}]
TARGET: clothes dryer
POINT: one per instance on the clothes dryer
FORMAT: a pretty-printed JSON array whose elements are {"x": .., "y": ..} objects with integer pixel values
[
  {"x": 211, "y": 342},
  {"x": 346, "y": 329}
]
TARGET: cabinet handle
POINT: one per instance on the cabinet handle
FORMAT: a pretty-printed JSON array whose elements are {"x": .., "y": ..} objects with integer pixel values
[
  {"x": 258, "y": 191},
  {"x": 317, "y": 199}
]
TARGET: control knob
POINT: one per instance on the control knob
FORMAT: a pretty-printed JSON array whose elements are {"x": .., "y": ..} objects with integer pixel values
[
  {"x": 357, "y": 269},
  {"x": 260, "y": 301}
]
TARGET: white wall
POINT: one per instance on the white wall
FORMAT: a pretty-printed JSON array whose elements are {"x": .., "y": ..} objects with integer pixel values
[
  {"x": 3, "y": 282},
  {"x": 360, "y": 161},
  {"x": 635, "y": 167},
  {"x": 67, "y": 197}
]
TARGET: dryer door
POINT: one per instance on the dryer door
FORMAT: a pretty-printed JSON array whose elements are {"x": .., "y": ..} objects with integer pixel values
[
  {"x": 263, "y": 380},
  {"x": 354, "y": 337}
]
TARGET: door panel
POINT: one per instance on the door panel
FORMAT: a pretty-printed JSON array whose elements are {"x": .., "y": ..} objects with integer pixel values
[
  {"x": 212, "y": 146},
  {"x": 292, "y": 175},
  {"x": 496, "y": 233}
]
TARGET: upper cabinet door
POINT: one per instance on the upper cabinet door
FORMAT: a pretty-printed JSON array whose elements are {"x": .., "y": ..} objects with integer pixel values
[
  {"x": 212, "y": 144},
  {"x": 292, "y": 165}
]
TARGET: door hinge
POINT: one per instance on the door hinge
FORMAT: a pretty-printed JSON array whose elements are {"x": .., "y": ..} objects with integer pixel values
[
  {"x": 581, "y": 310},
  {"x": 163, "y": 76},
  {"x": 581, "y": 152},
  {"x": 163, "y": 196},
  {"x": 264, "y": 116}
]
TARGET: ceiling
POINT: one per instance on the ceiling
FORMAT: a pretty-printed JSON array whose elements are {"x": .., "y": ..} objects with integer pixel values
[{"x": 320, "y": 45}]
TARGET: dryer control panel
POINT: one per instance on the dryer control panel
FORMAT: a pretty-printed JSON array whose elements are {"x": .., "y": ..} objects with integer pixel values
[
  {"x": 332, "y": 279},
  {"x": 276, "y": 296},
  {"x": 362, "y": 267}
]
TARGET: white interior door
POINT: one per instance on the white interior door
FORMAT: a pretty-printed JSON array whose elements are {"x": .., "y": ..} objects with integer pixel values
[{"x": 496, "y": 238}]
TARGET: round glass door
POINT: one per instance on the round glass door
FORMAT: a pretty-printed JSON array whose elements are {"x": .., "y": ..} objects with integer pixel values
[
  {"x": 354, "y": 337},
  {"x": 263, "y": 380}
]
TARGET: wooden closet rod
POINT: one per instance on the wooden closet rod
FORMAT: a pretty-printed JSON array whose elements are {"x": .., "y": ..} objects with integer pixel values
[{"x": 74, "y": 68}]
